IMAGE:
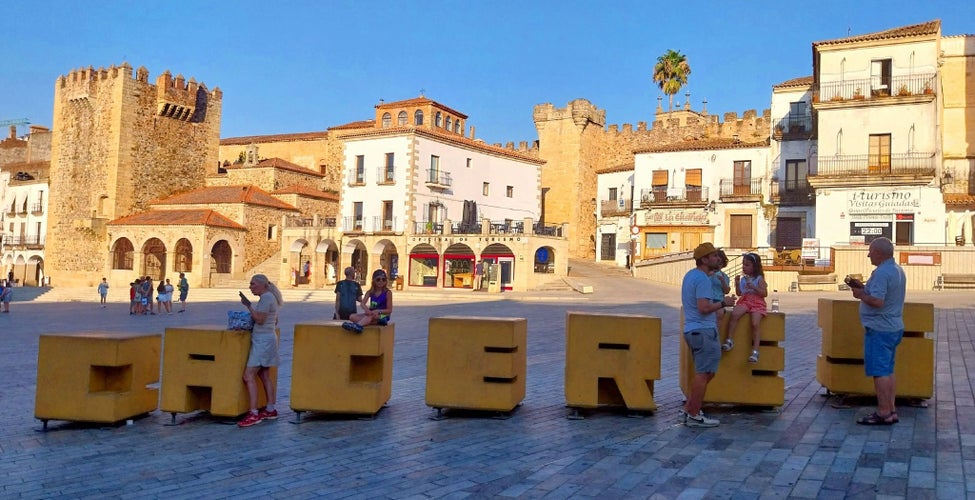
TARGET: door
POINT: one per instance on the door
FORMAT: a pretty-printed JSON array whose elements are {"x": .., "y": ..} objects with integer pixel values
[
  {"x": 689, "y": 241},
  {"x": 507, "y": 271},
  {"x": 607, "y": 247},
  {"x": 788, "y": 233},
  {"x": 741, "y": 231}
]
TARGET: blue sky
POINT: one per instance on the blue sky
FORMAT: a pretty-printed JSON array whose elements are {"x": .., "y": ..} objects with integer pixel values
[{"x": 294, "y": 66}]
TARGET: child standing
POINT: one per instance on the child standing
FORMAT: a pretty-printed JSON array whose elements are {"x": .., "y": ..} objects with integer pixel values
[
  {"x": 103, "y": 291},
  {"x": 752, "y": 290},
  {"x": 377, "y": 303}
]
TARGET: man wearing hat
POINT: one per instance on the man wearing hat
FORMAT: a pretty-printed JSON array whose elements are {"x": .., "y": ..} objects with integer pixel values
[{"x": 701, "y": 331}]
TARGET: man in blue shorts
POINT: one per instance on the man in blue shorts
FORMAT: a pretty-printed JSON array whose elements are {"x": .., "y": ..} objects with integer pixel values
[
  {"x": 701, "y": 331},
  {"x": 882, "y": 315}
]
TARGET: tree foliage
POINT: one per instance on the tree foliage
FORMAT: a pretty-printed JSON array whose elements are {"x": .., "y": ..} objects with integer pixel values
[{"x": 670, "y": 73}]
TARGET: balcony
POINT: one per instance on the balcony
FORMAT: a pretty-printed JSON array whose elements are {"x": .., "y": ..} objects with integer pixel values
[
  {"x": 792, "y": 192},
  {"x": 428, "y": 227},
  {"x": 741, "y": 190},
  {"x": 23, "y": 209},
  {"x": 911, "y": 88},
  {"x": 685, "y": 196},
  {"x": 325, "y": 222},
  {"x": 352, "y": 224},
  {"x": 793, "y": 127},
  {"x": 612, "y": 208},
  {"x": 12, "y": 211},
  {"x": 897, "y": 169},
  {"x": 437, "y": 179},
  {"x": 383, "y": 225},
  {"x": 24, "y": 241},
  {"x": 386, "y": 175},
  {"x": 357, "y": 177},
  {"x": 37, "y": 208}
]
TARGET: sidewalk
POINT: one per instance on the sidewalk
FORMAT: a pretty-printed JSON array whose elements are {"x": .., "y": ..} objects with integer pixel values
[{"x": 806, "y": 449}]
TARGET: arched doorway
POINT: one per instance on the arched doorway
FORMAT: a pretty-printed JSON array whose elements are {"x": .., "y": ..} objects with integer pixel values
[
  {"x": 424, "y": 266},
  {"x": 300, "y": 260},
  {"x": 37, "y": 264},
  {"x": 458, "y": 266},
  {"x": 545, "y": 260},
  {"x": 221, "y": 257},
  {"x": 388, "y": 258},
  {"x": 184, "y": 256},
  {"x": 154, "y": 259},
  {"x": 358, "y": 259},
  {"x": 500, "y": 254},
  {"x": 123, "y": 254},
  {"x": 329, "y": 260}
]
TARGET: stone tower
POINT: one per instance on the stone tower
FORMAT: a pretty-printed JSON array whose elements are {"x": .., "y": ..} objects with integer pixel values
[
  {"x": 568, "y": 139},
  {"x": 119, "y": 142}
]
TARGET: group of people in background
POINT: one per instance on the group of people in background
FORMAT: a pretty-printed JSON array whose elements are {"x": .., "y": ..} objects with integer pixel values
[{"x": 142, "y": 292}]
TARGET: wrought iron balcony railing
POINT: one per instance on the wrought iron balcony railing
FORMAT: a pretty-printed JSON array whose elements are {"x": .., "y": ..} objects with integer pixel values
[
  {"x": 674, "y": 196},
  {"x": 357, "y": 177},
  {"x": 875, "y": 88},
  {"x": 608, "y": 208},
  {"x": 792, "y": 192},
  {"x": 436, "y": 178},
  {"x": 867, "y": 165},
  {"x": 386, "y": 175},
  {"x": 747, "y": 188}
]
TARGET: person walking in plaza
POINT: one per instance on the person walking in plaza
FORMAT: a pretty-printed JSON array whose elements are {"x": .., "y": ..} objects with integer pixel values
[
  {"x": 264, "y": 348},
  {"x": 348, "y": 293},
  {"x": 168, "y": 289},
  {"x": 752, "y": 290},
  {"x": 147, "y": 296},
  {"x": 701, "y": 331},
  {"x": 133, "y": 298},
  {"x": 377, "y": 304},
  {"x": 103, "y": 291},
  {"x": 184, "y": 289},
  {"x": 6, "y": 294},
  {"x": 882, "y": 315}
]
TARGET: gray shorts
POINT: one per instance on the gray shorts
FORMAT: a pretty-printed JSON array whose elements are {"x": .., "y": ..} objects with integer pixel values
[
  {"x": 264, "y": 350},
  {"x": 705, "y": 348}
]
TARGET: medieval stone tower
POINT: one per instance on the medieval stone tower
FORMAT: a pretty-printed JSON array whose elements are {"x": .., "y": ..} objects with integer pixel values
[{"x": 120, "y": 142}]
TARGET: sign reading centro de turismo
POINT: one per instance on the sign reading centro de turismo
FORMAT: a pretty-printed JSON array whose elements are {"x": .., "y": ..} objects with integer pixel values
[{"x": 883, "y": 202}]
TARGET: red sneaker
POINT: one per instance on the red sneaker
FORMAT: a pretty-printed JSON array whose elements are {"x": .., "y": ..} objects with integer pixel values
[
  {"x": 268, "y": 415},
  {"x": 250, "y": 419}
]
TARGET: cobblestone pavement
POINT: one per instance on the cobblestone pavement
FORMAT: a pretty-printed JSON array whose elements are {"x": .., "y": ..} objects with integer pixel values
[{"x": 807, "y": 448}]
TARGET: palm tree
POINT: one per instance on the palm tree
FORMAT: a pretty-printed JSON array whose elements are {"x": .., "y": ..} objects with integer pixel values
[{"x": 670, "y": 73}]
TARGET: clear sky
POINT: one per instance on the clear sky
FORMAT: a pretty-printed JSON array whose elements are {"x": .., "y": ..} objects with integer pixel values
[{"x": 300, "y": 66}]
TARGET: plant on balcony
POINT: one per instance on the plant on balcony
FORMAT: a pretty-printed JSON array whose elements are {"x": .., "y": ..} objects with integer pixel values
[
  {"x": 836, "y": 97},
  {"x": 903, "y": 91},
  {"x": 778, "y": 131},
  {"x": 858, "y": 94},
  {"x": 928, "y": 89}
]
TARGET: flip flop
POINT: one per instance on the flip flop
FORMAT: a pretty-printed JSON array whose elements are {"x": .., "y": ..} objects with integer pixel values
[{"x": 876, "y": 419}]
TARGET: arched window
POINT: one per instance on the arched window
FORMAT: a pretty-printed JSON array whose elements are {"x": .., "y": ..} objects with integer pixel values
[
  {"x": 154, "y": 258},
  {"x": 457, "y": 127},
  {"x": 401, "y": 118},
  {"x": 184, "y": 256},
  {"x": 447, "y": 124},
  {"x": 418, "y": 117},
  {"x": 387, "y": 120},
  {"x": 438, "y": 120},
  {"x": 122, "y": 254}
]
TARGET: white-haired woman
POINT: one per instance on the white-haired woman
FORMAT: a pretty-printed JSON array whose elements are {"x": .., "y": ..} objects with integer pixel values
[{"x": 264, "y": 348}]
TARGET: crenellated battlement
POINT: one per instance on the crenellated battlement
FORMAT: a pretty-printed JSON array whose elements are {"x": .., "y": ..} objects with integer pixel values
[
  {"x": 580, "y": 111},
  {"x": 175, "y": 90}
]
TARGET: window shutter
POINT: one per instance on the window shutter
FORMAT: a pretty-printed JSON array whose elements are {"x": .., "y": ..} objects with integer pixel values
[
  {"x": 693, "y": 177},
  {"x": 659, "y": 178}
]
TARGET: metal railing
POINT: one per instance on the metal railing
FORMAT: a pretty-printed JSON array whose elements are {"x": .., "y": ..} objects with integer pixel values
[
  {"x": 309, "y": 222},
  {"x": 357, "y": 177},
  {"x": 428, "y": 227},
  {"x": 383, "y": 225},
  {"x": 549, "y": 230},
  {"x": 749, "y": 187},
  {"x": 615, "y": 207},
  {"x": 20, "y": 240},
  {"x": 791, "y": 191},
  {"x": 794, "y": 126},
  {"x": 386, "y": 175},
  {"x": 866, "y": 164},
  {"x": 665, "y": 196},
  {"x": 352, "y": 224},
  {"x": 875, "y": 88},
  {"x": 439, "y": 178},
  {"x": 37, "y": 208},
  {"x": 461, "y": 228}
]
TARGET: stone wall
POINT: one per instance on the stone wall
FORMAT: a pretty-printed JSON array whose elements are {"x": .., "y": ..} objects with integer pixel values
[
  {"x": 575, "y": 143},
  {"x": 118, "y": 143}
]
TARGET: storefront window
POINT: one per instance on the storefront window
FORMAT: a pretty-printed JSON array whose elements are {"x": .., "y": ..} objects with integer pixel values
[
  {"x": 459, "y": 272},
  {"x": 656, "y": 241},
  {"x": 424, "y": 270}
]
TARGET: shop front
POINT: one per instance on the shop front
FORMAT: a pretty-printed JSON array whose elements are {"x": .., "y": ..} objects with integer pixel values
[{"x": 907, "y": 216}]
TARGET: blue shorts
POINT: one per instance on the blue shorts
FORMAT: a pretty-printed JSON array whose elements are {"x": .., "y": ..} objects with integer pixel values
[
  {"x": 879, "y": 349},
  {"x": 705, "y": 348}
]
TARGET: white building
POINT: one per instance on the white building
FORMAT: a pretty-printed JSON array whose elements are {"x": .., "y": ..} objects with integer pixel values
[
  {"x": 427, "y": 203},
  {"x": 614, "y": 216},
  {"x": 792, "y": 158},
  {"x": 879, "y": 155},
  {"x": 707, "y": 190},
  {"x": 24, "y": 221}
]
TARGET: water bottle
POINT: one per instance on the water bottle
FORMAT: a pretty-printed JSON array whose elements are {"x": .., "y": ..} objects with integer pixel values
[{"x": 775, "y": 301}]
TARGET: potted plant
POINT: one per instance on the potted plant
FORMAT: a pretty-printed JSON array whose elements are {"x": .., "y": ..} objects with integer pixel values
[
  {"x": 928, "y": 89},
  {"x": 903, "y": 91},
  {"x": 858, "y": 94}
]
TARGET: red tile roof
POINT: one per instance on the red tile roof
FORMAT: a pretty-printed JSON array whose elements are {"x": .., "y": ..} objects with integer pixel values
[
  {"x": 449, "y": 137},
  {"x": 803, "y": 81},
  {"x": 257, "y": 139},
  {"x": 928, "y": 28},
  {"x": 248, "y": 195},
  {"x": 959, "y": 200},
  {"x": 628, "y": 167},
  {"x": 704, "y": 145},
  {"x": 355, "y": 125},
  {"x": 303, "y": 190},
  {"x": 420, "y": 101},
  {"x": 198, "y": 217}
]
